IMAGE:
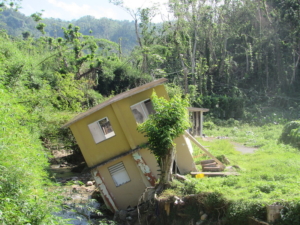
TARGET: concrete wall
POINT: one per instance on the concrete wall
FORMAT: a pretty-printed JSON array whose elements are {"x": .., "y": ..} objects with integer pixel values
[{"x": 126, "y": 138}]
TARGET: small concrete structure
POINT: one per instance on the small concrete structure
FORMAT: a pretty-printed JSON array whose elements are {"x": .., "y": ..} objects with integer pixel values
[{"x": 197, "y": 120}]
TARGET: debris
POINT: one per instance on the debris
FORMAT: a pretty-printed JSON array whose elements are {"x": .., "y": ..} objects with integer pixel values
[
  {"x": 167, "y": 208},
  {"x": 178, "y": 201},
  {"x": 129, "y": 218},
  {"x": 89, "y": 183},
  {"x": 225, "y": 160},
  {"x": 122, "y": 214},
  {"x": 273, "y": 212},
  {"x": 179, "y": 177},
  {"x": 214, "y": 174},
  {"x": 204, "y": 217}
]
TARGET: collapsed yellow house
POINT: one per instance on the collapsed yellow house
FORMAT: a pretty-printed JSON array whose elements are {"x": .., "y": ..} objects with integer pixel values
[{"x": 109, "y": 141}]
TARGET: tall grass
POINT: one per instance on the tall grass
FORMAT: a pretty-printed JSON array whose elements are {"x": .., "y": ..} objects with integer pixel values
[{"x": 24, "y": 198}]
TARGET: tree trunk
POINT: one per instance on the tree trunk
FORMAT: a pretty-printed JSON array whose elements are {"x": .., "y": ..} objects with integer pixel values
[{"x": 166, "y": 168}]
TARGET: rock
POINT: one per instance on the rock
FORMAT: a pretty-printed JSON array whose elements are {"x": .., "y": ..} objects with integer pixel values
[
  {"x": 231, "y": 168},
  {"x": 74, "y": 178},
  {"x": 133, "y": 213},
  {"x": 204, "y": 217},
  {"x": 129, "y": 218},
  {"x": 75, "y": 188},
  {"x": 89, "y": 183},
  {"x": 122, "y": 214}
]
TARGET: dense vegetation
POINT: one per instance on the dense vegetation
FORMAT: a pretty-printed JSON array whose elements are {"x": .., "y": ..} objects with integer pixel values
[
  {"x": 227, "y": 55},
  {"x": 43, "y": 83},
  {"x": 240, "y": 59}
]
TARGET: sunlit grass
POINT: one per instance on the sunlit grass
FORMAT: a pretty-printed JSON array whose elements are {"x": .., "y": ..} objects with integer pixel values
[{"x": 271, "y": 174}]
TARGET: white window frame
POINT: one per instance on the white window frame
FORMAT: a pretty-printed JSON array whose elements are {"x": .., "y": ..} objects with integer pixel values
[
  {"x": 146, "y": 113},
  {"x": 98, "y": 133},
  {"x": 119, "y": 174}
]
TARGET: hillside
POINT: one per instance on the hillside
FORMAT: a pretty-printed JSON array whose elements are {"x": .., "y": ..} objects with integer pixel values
[{"x": 16, "y": 23}]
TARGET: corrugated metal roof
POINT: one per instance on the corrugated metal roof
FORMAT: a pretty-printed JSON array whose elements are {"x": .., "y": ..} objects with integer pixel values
[{"x": 115, "y": 99}]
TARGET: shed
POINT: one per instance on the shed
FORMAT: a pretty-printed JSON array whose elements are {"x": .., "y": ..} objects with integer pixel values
[{"x": 197, "y": 120}]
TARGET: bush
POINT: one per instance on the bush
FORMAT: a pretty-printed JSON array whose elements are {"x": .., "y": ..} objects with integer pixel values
[
  {"x": 209, "y": 125},
  {"x": 291, "y": 134},
  {"x": 239, "y": 212}
]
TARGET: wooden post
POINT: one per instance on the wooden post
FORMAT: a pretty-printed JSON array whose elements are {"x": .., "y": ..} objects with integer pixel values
[
  {"x": 204, "y": 149},
  {"x": 197, "y": 124},
  {"x": 201, "y": 124},
  {"x": 194, "y": 124}
]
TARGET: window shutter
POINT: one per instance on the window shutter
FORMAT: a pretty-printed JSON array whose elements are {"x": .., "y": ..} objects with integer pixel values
[
  {"x": 96, "y": 132},
  {"x": 119, "y": 174}
]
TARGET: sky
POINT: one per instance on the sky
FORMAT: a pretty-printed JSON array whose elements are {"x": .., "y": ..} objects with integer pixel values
[{"x": 74, "y": 9}]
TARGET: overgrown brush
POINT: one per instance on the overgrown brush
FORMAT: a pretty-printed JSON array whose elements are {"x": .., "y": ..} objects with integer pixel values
[
  {"x": 23, "y": 180},
  {"x": 291, "y": 134}
]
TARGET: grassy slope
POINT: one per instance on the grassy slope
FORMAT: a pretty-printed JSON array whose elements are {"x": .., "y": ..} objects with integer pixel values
[{"x": 270, "y": 174}]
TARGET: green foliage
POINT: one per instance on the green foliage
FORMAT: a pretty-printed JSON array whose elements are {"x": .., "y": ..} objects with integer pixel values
[
  {"x": 209, "y": 125},
  {"x": 173, "y": 90},
  {"x": 223, "y": 107},
  {"x": 168, "y": 122},
  {"x": 239, "y": 212},
  {"x": 289, "y": 214},
  {"x": 23, "y": 196},
  {"x": 291, "y": 134}
]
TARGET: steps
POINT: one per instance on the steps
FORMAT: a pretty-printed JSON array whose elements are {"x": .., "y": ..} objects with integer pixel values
[{"x": 210, "y": 166}]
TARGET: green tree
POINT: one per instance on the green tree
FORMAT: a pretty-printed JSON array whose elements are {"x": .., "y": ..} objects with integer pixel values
[{"x": 169, "y": 121}]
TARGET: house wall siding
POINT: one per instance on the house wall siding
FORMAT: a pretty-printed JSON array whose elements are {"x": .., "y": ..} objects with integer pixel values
[
  {"x": 95, "y": 153},
  {"x": 126, "y": 138}
]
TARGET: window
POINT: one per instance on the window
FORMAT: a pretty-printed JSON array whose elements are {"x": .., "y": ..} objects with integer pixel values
[
  {"x": 101, "y": 130},
  {"x": 142, "y": 110},
  {"x": 119, "y": 174}
]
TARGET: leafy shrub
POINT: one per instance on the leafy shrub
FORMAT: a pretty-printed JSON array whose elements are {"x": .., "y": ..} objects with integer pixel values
[
  {"x": 290, "y": 214},
  {"x": 232, "y": 122},
  {"x": 291, "y": 134},
  {"x": 209, "y": 125},
  {"x": 239, "y": 212}
]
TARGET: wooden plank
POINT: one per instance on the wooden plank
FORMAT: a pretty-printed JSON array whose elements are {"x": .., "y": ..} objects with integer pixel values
[
  {"x": 212, "y": 169},
  {"x": 204, "y": 149},
  {"x": 209, "y": 165},
  {"x": 207, "y": 161},
  {"x": 213, "y": 174},
  {"x": 253, "y": 221}
]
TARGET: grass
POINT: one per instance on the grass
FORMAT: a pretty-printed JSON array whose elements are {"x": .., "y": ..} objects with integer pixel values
[
  {"x": 270, "y": 175},
  {"x": 255, "y": 136}
]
